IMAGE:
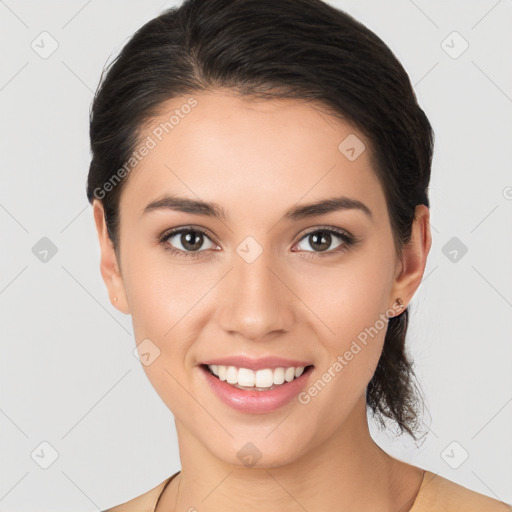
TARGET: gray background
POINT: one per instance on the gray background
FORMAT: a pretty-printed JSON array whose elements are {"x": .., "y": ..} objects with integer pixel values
[{"x": 68, "y": 376}]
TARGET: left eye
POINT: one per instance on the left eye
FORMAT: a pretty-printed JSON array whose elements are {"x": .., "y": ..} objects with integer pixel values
[{"x": 321, "y": 240}]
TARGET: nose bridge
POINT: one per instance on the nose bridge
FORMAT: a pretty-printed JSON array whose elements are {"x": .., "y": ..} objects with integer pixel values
[{"x": 257, "y": 303}]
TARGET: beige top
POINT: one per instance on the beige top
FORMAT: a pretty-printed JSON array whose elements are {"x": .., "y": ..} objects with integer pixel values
[{"x": 436, "y": 494}]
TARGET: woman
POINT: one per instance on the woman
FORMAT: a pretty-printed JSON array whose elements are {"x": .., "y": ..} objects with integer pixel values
[{"x": 259, "y": 182}]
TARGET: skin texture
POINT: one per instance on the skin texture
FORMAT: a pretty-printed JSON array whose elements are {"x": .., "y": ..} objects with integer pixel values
[{"x": 257, "y": 159}]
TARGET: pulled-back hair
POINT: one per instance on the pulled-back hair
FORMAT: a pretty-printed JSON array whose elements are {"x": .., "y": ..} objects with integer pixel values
[{"x": 299, "y": 49}]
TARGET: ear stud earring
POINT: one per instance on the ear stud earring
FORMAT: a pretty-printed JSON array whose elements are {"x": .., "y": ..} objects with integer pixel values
[
  {"x": 399, "y": 302},
  {"x": 115, "y": 299}
]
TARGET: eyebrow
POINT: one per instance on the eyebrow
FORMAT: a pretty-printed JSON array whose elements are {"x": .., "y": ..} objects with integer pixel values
[{"x": 210, "y": 209}]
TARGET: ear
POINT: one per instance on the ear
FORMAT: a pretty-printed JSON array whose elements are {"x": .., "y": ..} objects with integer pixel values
[
  {"x": 411, "y": 267},
  {"x": 109, "y": 267}
]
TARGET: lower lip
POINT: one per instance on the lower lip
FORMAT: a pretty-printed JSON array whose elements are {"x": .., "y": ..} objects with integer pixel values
[{"x": 256, "y": 402}]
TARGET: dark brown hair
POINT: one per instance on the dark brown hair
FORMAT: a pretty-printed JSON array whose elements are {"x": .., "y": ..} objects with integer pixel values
[{"x": 300, "y": 49}]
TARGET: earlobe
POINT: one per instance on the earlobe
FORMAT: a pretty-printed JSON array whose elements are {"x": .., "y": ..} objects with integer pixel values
[
  {"x": 109, "y": 267},
  {"x": 414, "y": 257}
]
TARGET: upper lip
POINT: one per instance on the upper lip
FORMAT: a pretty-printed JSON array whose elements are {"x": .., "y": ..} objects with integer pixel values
[{"x": 259, "y": 363}]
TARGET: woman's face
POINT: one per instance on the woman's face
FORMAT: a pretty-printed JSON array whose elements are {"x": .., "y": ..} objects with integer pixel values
[{"x": 260, "y": 282}]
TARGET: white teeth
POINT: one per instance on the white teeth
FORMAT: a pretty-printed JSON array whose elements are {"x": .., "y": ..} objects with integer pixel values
[
  {"x": 231, "y": 375},
  {"x": 246, "y": 377},
  {"x": 278, "y": 375},
  {"x": 260, "y": 379},
  {"x": 289, "y": 374}
]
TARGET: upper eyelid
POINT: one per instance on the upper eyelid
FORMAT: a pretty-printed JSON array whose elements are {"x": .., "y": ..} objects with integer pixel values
[
  {"x": 332, "y": 229},
  {"x": 176, "y": 231},
  {"x": 339, "y": 232}
]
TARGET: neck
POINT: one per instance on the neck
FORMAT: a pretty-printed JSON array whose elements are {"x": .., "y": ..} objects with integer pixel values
[{"x": 348, "y": 471}]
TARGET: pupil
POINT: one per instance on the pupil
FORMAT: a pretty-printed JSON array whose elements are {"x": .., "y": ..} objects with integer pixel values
[
  {"x": 323, "y": 240},
  {"x": 186, "y": 240}
]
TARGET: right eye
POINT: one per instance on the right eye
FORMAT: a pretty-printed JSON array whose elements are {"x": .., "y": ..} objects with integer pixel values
[{"x": 190, "y": 240}]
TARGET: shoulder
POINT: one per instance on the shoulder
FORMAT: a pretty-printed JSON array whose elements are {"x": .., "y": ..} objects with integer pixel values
[
  {"x": 145, "y": 502},
  {"x": 440, "y": 494}
]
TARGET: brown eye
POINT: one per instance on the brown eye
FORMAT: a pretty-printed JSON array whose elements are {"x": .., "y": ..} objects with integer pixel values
[
  {"x": 186, "y": 241},
  {"x": 191, "y": 240},
  {"x": 321, "y": 240}
]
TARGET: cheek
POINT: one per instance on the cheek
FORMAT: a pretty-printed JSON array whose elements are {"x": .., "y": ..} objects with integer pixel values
[
  {"x": 161, "y": 295},
  {"x": 345, "y": 300},
  {"x": 161, "y": 303},
  {"x": 348, "y": 305}
]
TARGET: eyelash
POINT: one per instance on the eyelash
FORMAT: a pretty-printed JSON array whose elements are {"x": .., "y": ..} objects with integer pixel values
[{"x": 348, "y": 241}]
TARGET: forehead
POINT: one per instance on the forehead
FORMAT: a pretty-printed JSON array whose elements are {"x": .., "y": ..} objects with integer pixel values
[{"x": 256, "y": 155}]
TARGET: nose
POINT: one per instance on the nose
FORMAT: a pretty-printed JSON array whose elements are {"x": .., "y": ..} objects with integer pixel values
[{"x": 256, "y": 302}]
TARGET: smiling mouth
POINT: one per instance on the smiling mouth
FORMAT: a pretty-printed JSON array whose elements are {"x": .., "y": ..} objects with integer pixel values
[{"x": 205, "y": 367}]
